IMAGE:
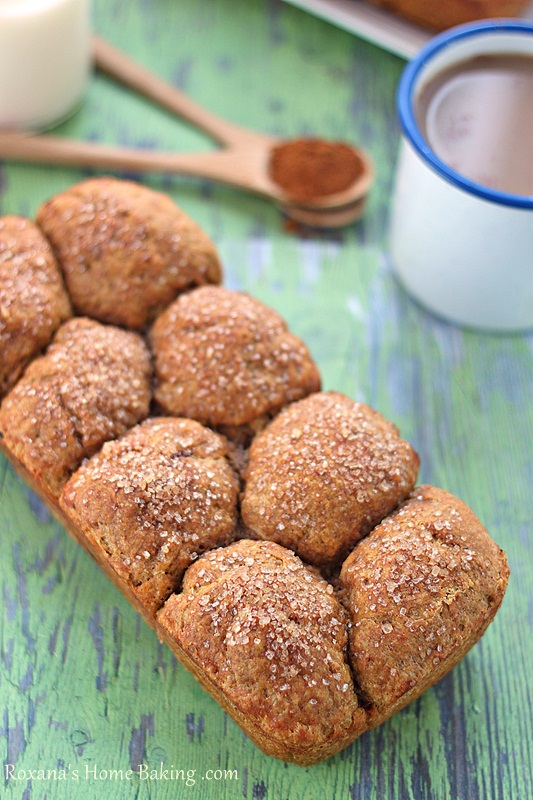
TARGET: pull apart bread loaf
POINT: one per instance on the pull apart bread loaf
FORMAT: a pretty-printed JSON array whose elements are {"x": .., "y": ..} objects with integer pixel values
[{"x": 272, "y": 534}]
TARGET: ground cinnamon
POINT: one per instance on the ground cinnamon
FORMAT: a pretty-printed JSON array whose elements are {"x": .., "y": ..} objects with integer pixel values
[{"x": 312, "y": 168}]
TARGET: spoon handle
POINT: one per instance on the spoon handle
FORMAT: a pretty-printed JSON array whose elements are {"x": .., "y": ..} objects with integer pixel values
[
  {"x": 124, "y": 69},
  {"x": 226, "y": 165}
]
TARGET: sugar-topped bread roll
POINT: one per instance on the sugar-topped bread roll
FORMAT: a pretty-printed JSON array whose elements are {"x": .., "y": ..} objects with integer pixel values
[
  {"x": 421, "y": 590},
  {"x": 126, "y": 250},
  {"x": 322, "y": 474},
  {"x": 154, "y": 500},
  {"x": 33, "y": 301},
  {"x": 91, "y": 385},
  {"x": 226, "y": 359},
  {"x": 268, "y": 636}
]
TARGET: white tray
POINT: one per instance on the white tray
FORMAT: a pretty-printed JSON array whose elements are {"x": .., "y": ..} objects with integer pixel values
[{"x": 374, "y": 24}]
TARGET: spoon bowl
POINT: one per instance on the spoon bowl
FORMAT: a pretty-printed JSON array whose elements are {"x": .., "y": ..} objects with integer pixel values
[{"x": 329, "y": 218}]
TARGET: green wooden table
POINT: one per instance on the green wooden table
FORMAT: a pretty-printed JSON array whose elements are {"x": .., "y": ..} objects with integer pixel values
[{"x": 84, "y": 684}]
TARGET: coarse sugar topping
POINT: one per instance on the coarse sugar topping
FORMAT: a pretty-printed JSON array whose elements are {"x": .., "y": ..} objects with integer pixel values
[
  {"x": 91, "y": 385},
  {"x": 33, "y": 301},
  {"x": 155, "y": 499},
  {"x": 271, "y": 631},
  {"x": 416, "y": 589},
  {"x": 225, "y": 358},
  {"x": 323, "y": 473},
  {"x": 118, "y": 239}
]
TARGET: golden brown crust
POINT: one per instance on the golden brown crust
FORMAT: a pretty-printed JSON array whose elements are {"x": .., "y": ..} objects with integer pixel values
[
  {"x": 126, "y": 250},
  {"x": 243, "y": 435},
  {"x": 226, "y": 359},
  {"x": 421, "y": 590},
  {"x": 154, "y": 500},
  {"x": 92, "y": 384},
  {"x": 439, "y": 16},
  {"x": 33, "y": 301},
  {"x": 272, "y": 636},
  {"x": 322, "y": 474}
]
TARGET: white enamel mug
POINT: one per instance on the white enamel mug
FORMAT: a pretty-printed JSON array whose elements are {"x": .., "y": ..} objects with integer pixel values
[{"x": 463, "y": 250}]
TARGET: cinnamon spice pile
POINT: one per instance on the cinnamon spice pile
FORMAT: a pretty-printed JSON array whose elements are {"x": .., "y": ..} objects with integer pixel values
[{"x": 311, "y": 168}]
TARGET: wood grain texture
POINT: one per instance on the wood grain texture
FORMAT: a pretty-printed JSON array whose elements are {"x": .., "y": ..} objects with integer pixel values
[{"x": 83, "y": 681}]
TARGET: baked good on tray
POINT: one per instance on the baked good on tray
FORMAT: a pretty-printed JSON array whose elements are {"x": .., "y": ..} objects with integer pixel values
[
  {"x": 226, "y": 359},
  {"x": 153, "y": 500},
  {"x": 271, "y": 635},
  {"x": 33, "y": 301},
  {"x": 292, "y": 565},
  {"x": 420, "y": 590},
  {"x": 91, "y": 385},
  {"x": 126, "y": 250},
  {"x": 323, "y": 474},
  {"x": 441, "y": 15}
]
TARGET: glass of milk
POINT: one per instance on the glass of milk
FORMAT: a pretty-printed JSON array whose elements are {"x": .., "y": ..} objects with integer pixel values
[
  {"x": 461, "y": 237},
  {"x": 45, "y": 57}
]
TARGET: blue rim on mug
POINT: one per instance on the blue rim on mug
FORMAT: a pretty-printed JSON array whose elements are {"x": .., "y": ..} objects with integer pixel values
[{"x": 405, "y": 106}]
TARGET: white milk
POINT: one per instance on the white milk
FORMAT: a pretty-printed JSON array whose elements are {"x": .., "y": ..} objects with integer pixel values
[
  {"x": 478, "y": 118},
  {"x": 44, "y": 61}
]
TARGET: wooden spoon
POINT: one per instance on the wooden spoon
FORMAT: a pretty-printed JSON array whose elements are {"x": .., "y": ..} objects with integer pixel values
[{"x": 243, "y": 161}]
